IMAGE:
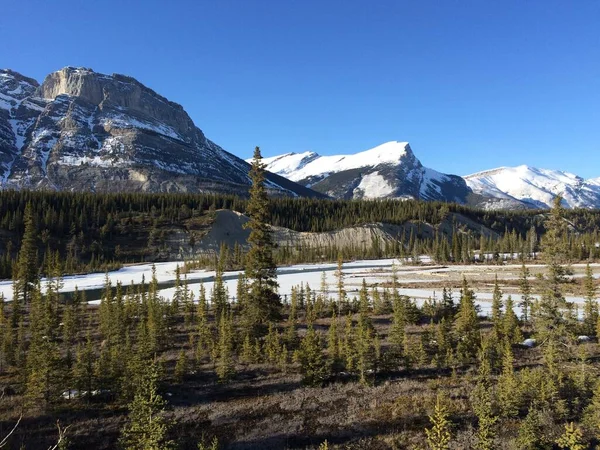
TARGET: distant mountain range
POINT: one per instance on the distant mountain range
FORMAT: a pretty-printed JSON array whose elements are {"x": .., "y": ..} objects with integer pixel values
[
  {"x": 391, "y": 170},
  {"x": 85, "y": 131}
]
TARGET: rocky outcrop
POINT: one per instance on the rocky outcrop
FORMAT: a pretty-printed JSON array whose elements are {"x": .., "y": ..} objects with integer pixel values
[{"x": 82, "y": 130}]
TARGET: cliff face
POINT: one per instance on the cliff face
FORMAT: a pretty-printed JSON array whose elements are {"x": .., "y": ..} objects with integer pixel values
[{"x": 81, "y": 130}]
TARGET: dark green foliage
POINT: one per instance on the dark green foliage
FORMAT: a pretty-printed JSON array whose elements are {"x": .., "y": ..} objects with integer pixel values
[
  {"x": 262, "y": 303},
  {"x": 313, "y": 363}
]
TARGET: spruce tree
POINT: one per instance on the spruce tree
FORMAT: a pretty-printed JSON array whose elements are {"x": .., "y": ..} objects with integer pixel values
[
  {"x": 525, "y": 288},
  {"x": 466, "y": 325},
  {"x": 181, "y": 367},
  {"x": 590, "y": 311},
  {"x": 263, "y": 303},
  {"x": 225, "y": 364},
  {"x": 439, "y": 435},
  {"x": 482, "y": 406},
  {"x": 549, "y": 320},
  {"x": 510, "y": 323},
  {"x": 572, "y": 438},
  {"x": 508, "y": 384},
  {"x": 27, "y": 265},
  {"x": 147, "y": 428},
  {"x": 313, "y": 364},
  {"x": 497, "y": 309}
]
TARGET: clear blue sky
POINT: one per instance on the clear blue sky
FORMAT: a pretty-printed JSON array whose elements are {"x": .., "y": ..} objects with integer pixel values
[{"x": 470, "y": 84}]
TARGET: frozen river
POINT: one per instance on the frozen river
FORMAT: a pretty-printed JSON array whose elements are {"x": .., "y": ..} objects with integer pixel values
[{"x": 373, "y": 271}]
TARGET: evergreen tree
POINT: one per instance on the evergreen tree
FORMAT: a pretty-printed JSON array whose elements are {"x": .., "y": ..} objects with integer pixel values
[
  {"x": 482, "y": 406},
  {"x": 263, "y": 302},
  {"x": 147, "y": 428},
  {"x": 439, "y": 435},
  {"x": 181, "y": 366},
  {"x": 497, "y": 309},
  {"x": 313, "y": 364},
  {"x": 510, "y": 323},
  {"x": 525, "y": 288},
  {"x": 339, "y": 274},
  {"x": 549, "y": 320},
  {"x": 572, "y": 438},
  {"x": 27, "y": 265},
  {"x": 590, "y": 311},
  {"x": 508, "y": 384},
  {"x": 466, "y": 325},
  {"x": 225, "y": 364},
  {"x": 83, "y": 369}
]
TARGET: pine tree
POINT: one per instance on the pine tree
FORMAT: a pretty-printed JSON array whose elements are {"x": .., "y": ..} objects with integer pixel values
[
  {"x": 219, "y": 296},
  {"x": 263, "y": 302},
  {"x": 333, "y": 347},
  {"x": 508, "y": 385},
  {"x": 83, "y": 369},
  {"x": 482, "y": 406},
  {"x": 313, "y": 364},
  {"x": 591, "y": 415},
  {"x": 510, "y": 323},
  {"x": 590, "y": 311},
  {"x": 349, "y": 345},
  {"x": 339, "y": 274},
  {"x": 181, "y": 367},
  {"x": 147, "y": 428},
  {"x": 439, "y": 435},
  {"x": 399, "y": 320},
  {"x": 572, "y": 438},
  {"x": 525, "y": 288},
  {"x": 26, "y": 267},
  {"x": 497, "y": 309},
  {"x": 466, "y": 325},
  {"x": 225, "y": 364},
  {"x": 549, "y": 320},
  {"x": 531, "y": 432}
]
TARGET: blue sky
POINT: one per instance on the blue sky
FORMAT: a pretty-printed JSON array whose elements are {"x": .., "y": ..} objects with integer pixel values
[{"x": 470, "y": 84}]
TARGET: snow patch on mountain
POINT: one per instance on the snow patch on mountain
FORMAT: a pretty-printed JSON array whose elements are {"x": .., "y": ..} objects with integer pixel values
[
  {"x": 130, "y": 122},
  {"x": 373, "y": 185}
]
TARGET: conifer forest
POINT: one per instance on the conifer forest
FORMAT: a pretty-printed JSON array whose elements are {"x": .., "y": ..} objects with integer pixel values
[{"x": 348, "y": 364}]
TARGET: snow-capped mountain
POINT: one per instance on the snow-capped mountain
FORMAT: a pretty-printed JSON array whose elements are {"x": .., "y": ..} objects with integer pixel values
[
  {"x": 535, "y": 188},
  {"x": 82, "y": 130},
  {"x": 390, "y": 170}
]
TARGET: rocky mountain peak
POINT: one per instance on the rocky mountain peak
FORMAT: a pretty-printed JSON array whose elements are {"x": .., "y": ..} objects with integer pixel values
[
  {"x": 390, "y": 170},
  {"x": 84, "y": 130},
  {"x": 117, "y": 92}
]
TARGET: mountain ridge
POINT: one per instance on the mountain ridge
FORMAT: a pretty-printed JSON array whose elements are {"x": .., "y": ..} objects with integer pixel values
[
  {"x": 84, "y": 130},
  {"x": 498, "y": 188},
  {"x": 389, "y": 170}
]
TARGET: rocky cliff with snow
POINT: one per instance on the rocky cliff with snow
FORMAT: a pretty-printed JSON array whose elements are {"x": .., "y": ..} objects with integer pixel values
[
  {"x": 390, "y": 170},
  {"x": 82, "y": 130}
]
